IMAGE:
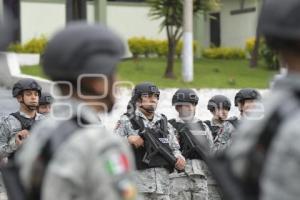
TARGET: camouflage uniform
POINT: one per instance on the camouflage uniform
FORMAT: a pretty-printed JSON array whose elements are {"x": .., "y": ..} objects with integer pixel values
[
  {"x": 153, "y": 183},
  {"x": 223, "y": 135},
  {"x": 280, "y": 175},
  {"x": 9, "y": 127},
  {"x": 92, "y": 164},
  {"x": 194, "y": 186}
]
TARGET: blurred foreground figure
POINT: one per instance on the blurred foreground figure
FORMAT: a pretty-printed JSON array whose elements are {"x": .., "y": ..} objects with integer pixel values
[
  {"x": 265, "y": 156},
  {"x": 71, "y": 155},
  {"x": 6, "y": 30}
]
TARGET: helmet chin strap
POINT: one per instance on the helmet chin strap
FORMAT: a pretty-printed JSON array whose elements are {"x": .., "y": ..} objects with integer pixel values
[{"x": 31, "y": 108}]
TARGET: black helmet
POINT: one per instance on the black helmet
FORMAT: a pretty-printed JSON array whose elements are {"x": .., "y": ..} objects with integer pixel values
[
  {"x": 219, "y": 101},
  {"x": 185, "y": 96},
  {"x": 144, "y": 88},
  {"x": 280, "y": 19},
  {"x": 25, "y": 84},
  {"x": 246, "y": 94},
  {"x": 45, "y": 99},
  {"x": 82, "y": 48}
]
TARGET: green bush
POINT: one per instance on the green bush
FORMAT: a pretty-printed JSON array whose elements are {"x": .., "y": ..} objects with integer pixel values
[
  {"x": 15, "y": 47},
  {"x": 264, "y": 52},
  {"x": 136, "y": 46},
  {"x": 179, "y": 49},
  {"x": 140, "y": 46},
  {"x": 35, "y": 45},
  {"x": 249, "y": 45},
  {"x": 224, "y": 53},
  {"x": 161, "y": 48},
  {"x": 269, "y": 56}
]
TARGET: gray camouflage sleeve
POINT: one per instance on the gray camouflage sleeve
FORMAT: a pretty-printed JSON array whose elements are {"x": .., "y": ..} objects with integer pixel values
[
  {"x": 173, "y": 141},
  {"x": 124, "y": 127},
  {"x": 7, "y": 140},
  {"x": 209, "y": 138}
]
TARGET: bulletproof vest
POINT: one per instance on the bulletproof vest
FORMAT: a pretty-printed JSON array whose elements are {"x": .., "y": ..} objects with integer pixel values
[
  {"x": 26, "y": 123},
  {"x": 195, "y": 132},
  {"x": 161, "y": 133},
  {"x": 214, "y": 129}
]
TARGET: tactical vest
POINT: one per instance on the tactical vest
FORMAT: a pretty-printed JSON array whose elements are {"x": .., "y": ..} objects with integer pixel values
[
  {"x": 161, "y": 133},
  {"x": 195, "y": 129},
  {"x": 26, "y": 123}
]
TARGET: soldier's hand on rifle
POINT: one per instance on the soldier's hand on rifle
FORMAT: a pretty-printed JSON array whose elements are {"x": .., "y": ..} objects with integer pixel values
[
  {"x": 180, "y": 163},
  {"x": 136, "y": 140},
  {"x": 21, "y": 136}
]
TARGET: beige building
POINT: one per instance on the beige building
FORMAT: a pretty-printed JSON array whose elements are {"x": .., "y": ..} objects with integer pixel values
[{"x": 229, "y": 27}]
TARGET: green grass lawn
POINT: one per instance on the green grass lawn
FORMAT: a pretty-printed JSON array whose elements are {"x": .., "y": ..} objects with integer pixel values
[{"x": 207, "y": 73}]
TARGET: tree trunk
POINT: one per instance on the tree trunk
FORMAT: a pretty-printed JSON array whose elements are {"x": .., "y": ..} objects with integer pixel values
[
  {"x": 169, "y": 73},
  {"x": 254, "y": 54}
]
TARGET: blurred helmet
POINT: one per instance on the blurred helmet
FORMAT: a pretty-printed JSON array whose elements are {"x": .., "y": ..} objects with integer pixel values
[
  {"x": 280, "y": 19},
  {"x": 82, "y": 48},
  {"x": 45, "y": 99},
  {"x": 246, "y": 94}
]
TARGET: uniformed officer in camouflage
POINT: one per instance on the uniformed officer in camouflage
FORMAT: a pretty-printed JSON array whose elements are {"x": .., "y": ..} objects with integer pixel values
[
  {"x": 246, "y": 100},
  {"x": 193, "y": 183},
  {"x": 45, "y": 103},
  {"x": 15, "y": 128},
  {"x": 71, "y": 155},
  {"x": 221, "y": 126},
  {"x": 268, "y": 149},
  {"x": 222, "y": 129},
  {"x": 152, "y": 176}
]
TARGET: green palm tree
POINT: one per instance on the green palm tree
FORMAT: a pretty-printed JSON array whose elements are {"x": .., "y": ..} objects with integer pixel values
[{"x": 171, "y": 11}]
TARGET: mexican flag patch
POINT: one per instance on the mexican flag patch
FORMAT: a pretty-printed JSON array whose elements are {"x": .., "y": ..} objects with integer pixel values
[{"x": 117, "y": 164}]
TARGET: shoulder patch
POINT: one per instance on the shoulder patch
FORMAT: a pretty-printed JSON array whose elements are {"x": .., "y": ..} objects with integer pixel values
[{"x": 116, "y": 164}]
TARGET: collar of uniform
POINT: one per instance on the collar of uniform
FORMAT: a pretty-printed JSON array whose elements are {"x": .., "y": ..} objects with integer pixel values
[
  {"x": 215, "y": 123},
  {"x": 291, "y": 81},
  {"x": 80, "y": 108},
  {"x": 156, "y": 116},
  {"x": 37, "y": 115}
]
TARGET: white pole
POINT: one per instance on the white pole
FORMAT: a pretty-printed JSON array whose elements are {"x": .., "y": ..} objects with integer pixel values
[{"x": 187, "y": 54}]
